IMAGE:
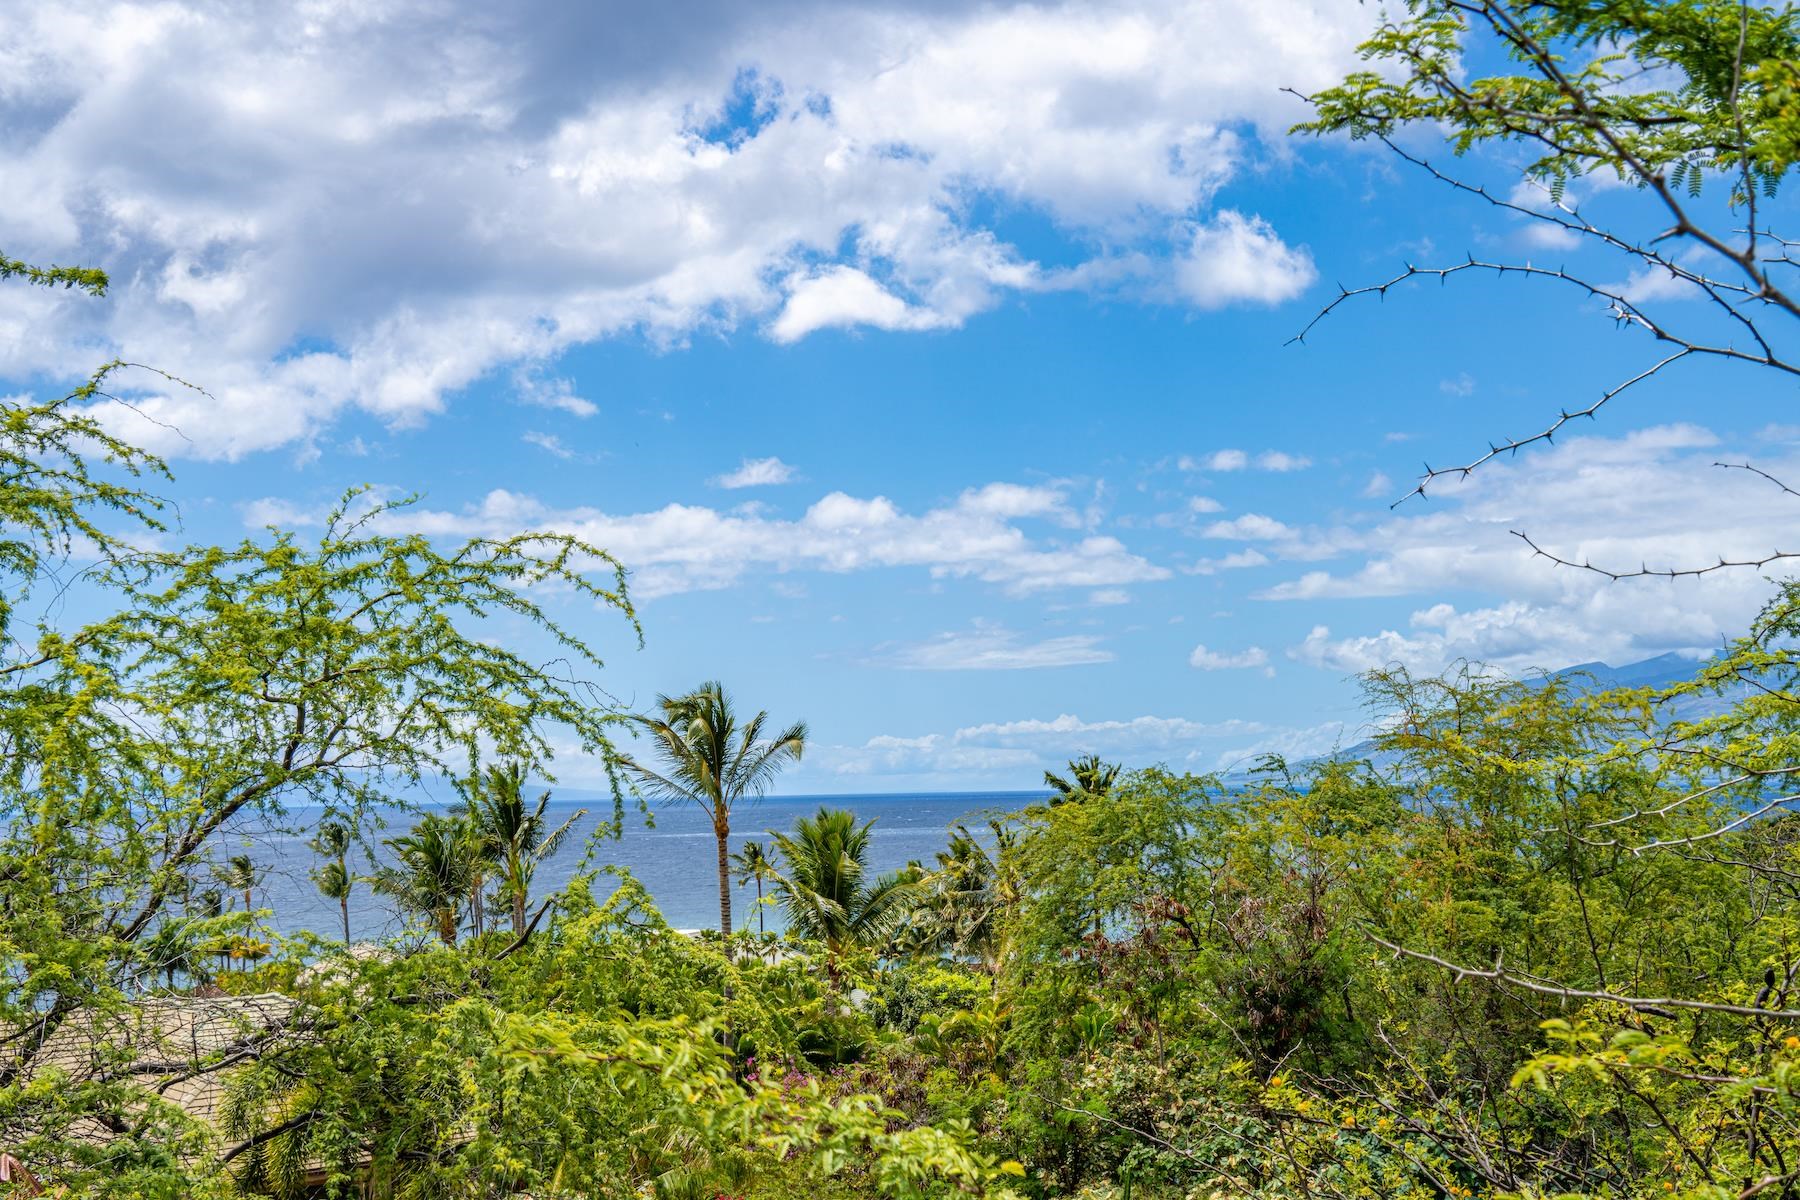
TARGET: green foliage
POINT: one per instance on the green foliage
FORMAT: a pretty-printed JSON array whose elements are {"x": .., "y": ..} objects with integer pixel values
[
  {"x": 823, "y": 887},
  {"x": 1639, "y": 89},
  {"x": 514, "y": 838},
  {"x": 1088, "y": 779},
  {"x": 91, "y": 280}
]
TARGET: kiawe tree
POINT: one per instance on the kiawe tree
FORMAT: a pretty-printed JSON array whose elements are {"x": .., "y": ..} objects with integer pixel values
[
  {"x": 230, "y": 683},
  {"x": 710, "y": 759},
  {"x": 1692, "y": 104}
]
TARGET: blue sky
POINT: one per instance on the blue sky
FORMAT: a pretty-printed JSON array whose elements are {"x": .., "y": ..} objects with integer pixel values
[{"x": 925, "y": 362}]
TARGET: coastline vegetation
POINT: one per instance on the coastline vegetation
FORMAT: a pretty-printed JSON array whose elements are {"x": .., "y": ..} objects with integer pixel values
[{"x": 1529, "y": 941}]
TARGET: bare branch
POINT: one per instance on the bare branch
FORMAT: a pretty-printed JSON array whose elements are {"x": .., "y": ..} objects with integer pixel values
[{"x": 1499, "y": 974}]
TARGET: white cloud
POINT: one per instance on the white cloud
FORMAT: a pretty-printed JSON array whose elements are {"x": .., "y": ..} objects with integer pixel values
[
  {"x": 532, "y": 388},
  {"x": 756, "y": 472},
  {"x": 1213, "y": 660},
  {"x": 1204, "y": 504},
  {"x": 1238, "y": 460},
  {"x": 993, "y": 648},
  {"x": 1379, "y": 485},
  {"x": 1277, "y": 460},
  {"x": 1651, "y": 498},
  {"x": 840, "y": 297},
  {"x": 684, "y": 547},
  {"x": 1015, "y": 753},
  {"x": 1137, "y": 733},
  {"x": 393, "y": 202},
  {"x": 1109, "y": 596},
  {"x": 1237, "y": 259},
  {"x": 1251, "y": 527},
  {"x": 1237, "y": 561},
  {"x": 1462, "y": 385},
  {"x": 549, "y": 442}
]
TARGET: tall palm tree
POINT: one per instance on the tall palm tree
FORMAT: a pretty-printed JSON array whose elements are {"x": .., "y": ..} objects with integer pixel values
[
  {"x": 521, "y": 838},
  {"x": 753, "y": 863},
  {"x": 239, "y": 874},
  {"x": 432, "y": 874},
  {"x": 1089, "y": 778},
  {"x": 334, "y": 879},
  {"x": 823, "y": 888},
  {"x": 709, "y": 759}
]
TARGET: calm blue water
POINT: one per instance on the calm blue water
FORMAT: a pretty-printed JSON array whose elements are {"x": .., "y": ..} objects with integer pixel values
[{"x": 676, "y": 860}]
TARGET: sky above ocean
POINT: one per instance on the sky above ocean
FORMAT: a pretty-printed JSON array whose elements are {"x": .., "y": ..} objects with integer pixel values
[{"x": 927, "y": 364}]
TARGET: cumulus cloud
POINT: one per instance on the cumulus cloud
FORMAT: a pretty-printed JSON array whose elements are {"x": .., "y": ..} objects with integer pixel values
[
  {"x": 1238, "y": 561},
  {"x": 1237, "y": 259},
  {"x": 1224, "y": 460},
  {"x": 1214, "y": 660},
  {"x": 1238, "y": 460},
  {"x": 392, "y": 202},
  {"x": 1653, "y": 498},
  {"x": 840, "y": 297},
  {"x": 1015, "y": 752},
  {"x": 756, "y": 472},
  {"x": 1251, "y": 527},
  {"x": 989, "y": 647},
  {"x": 685, "y": 547}
]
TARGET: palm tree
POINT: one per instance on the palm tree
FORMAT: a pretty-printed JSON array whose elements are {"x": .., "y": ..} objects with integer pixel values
[
  {"x": 240, "y": 875},
  {"x": 433, "y": 872},
  {"x": 753, "y": 863},
  {"x": 212, "y": 907},
  {"x": 334, "y": 878},
  {"x": 521, "y": 839},
  {"x": 174, "y": 949},
  {"x": 823, "y": 890},
  {"x": 710, "y": 760},
  {"x": 1089, "y": 778},
  {"x": 966, "y": 900}
]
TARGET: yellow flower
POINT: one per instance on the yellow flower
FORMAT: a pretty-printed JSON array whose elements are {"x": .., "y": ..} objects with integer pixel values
[{"x": 1792, "y": 1042}]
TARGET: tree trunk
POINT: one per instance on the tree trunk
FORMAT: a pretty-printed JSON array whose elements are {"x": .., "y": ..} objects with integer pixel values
[
  {"x": 760, "y": 927},
  {"x": 518, "y": 914},
  {"x": 723, "y": 832},
  {"x": 344, "y": 904},
  {"x": 446, "y": 923}
]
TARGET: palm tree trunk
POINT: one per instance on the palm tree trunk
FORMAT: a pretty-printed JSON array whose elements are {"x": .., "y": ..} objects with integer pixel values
[
  {"x": 344, "y": 904},
  {"x": 446, "y": 923},
  {"x": 723, "y": 832},
  {"x": 518, "y": 907},
  {"x": 760, "y": 927}
]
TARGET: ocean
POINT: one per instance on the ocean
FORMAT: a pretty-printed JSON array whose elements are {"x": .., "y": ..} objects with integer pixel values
[{"x": 675, "y": 860}]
